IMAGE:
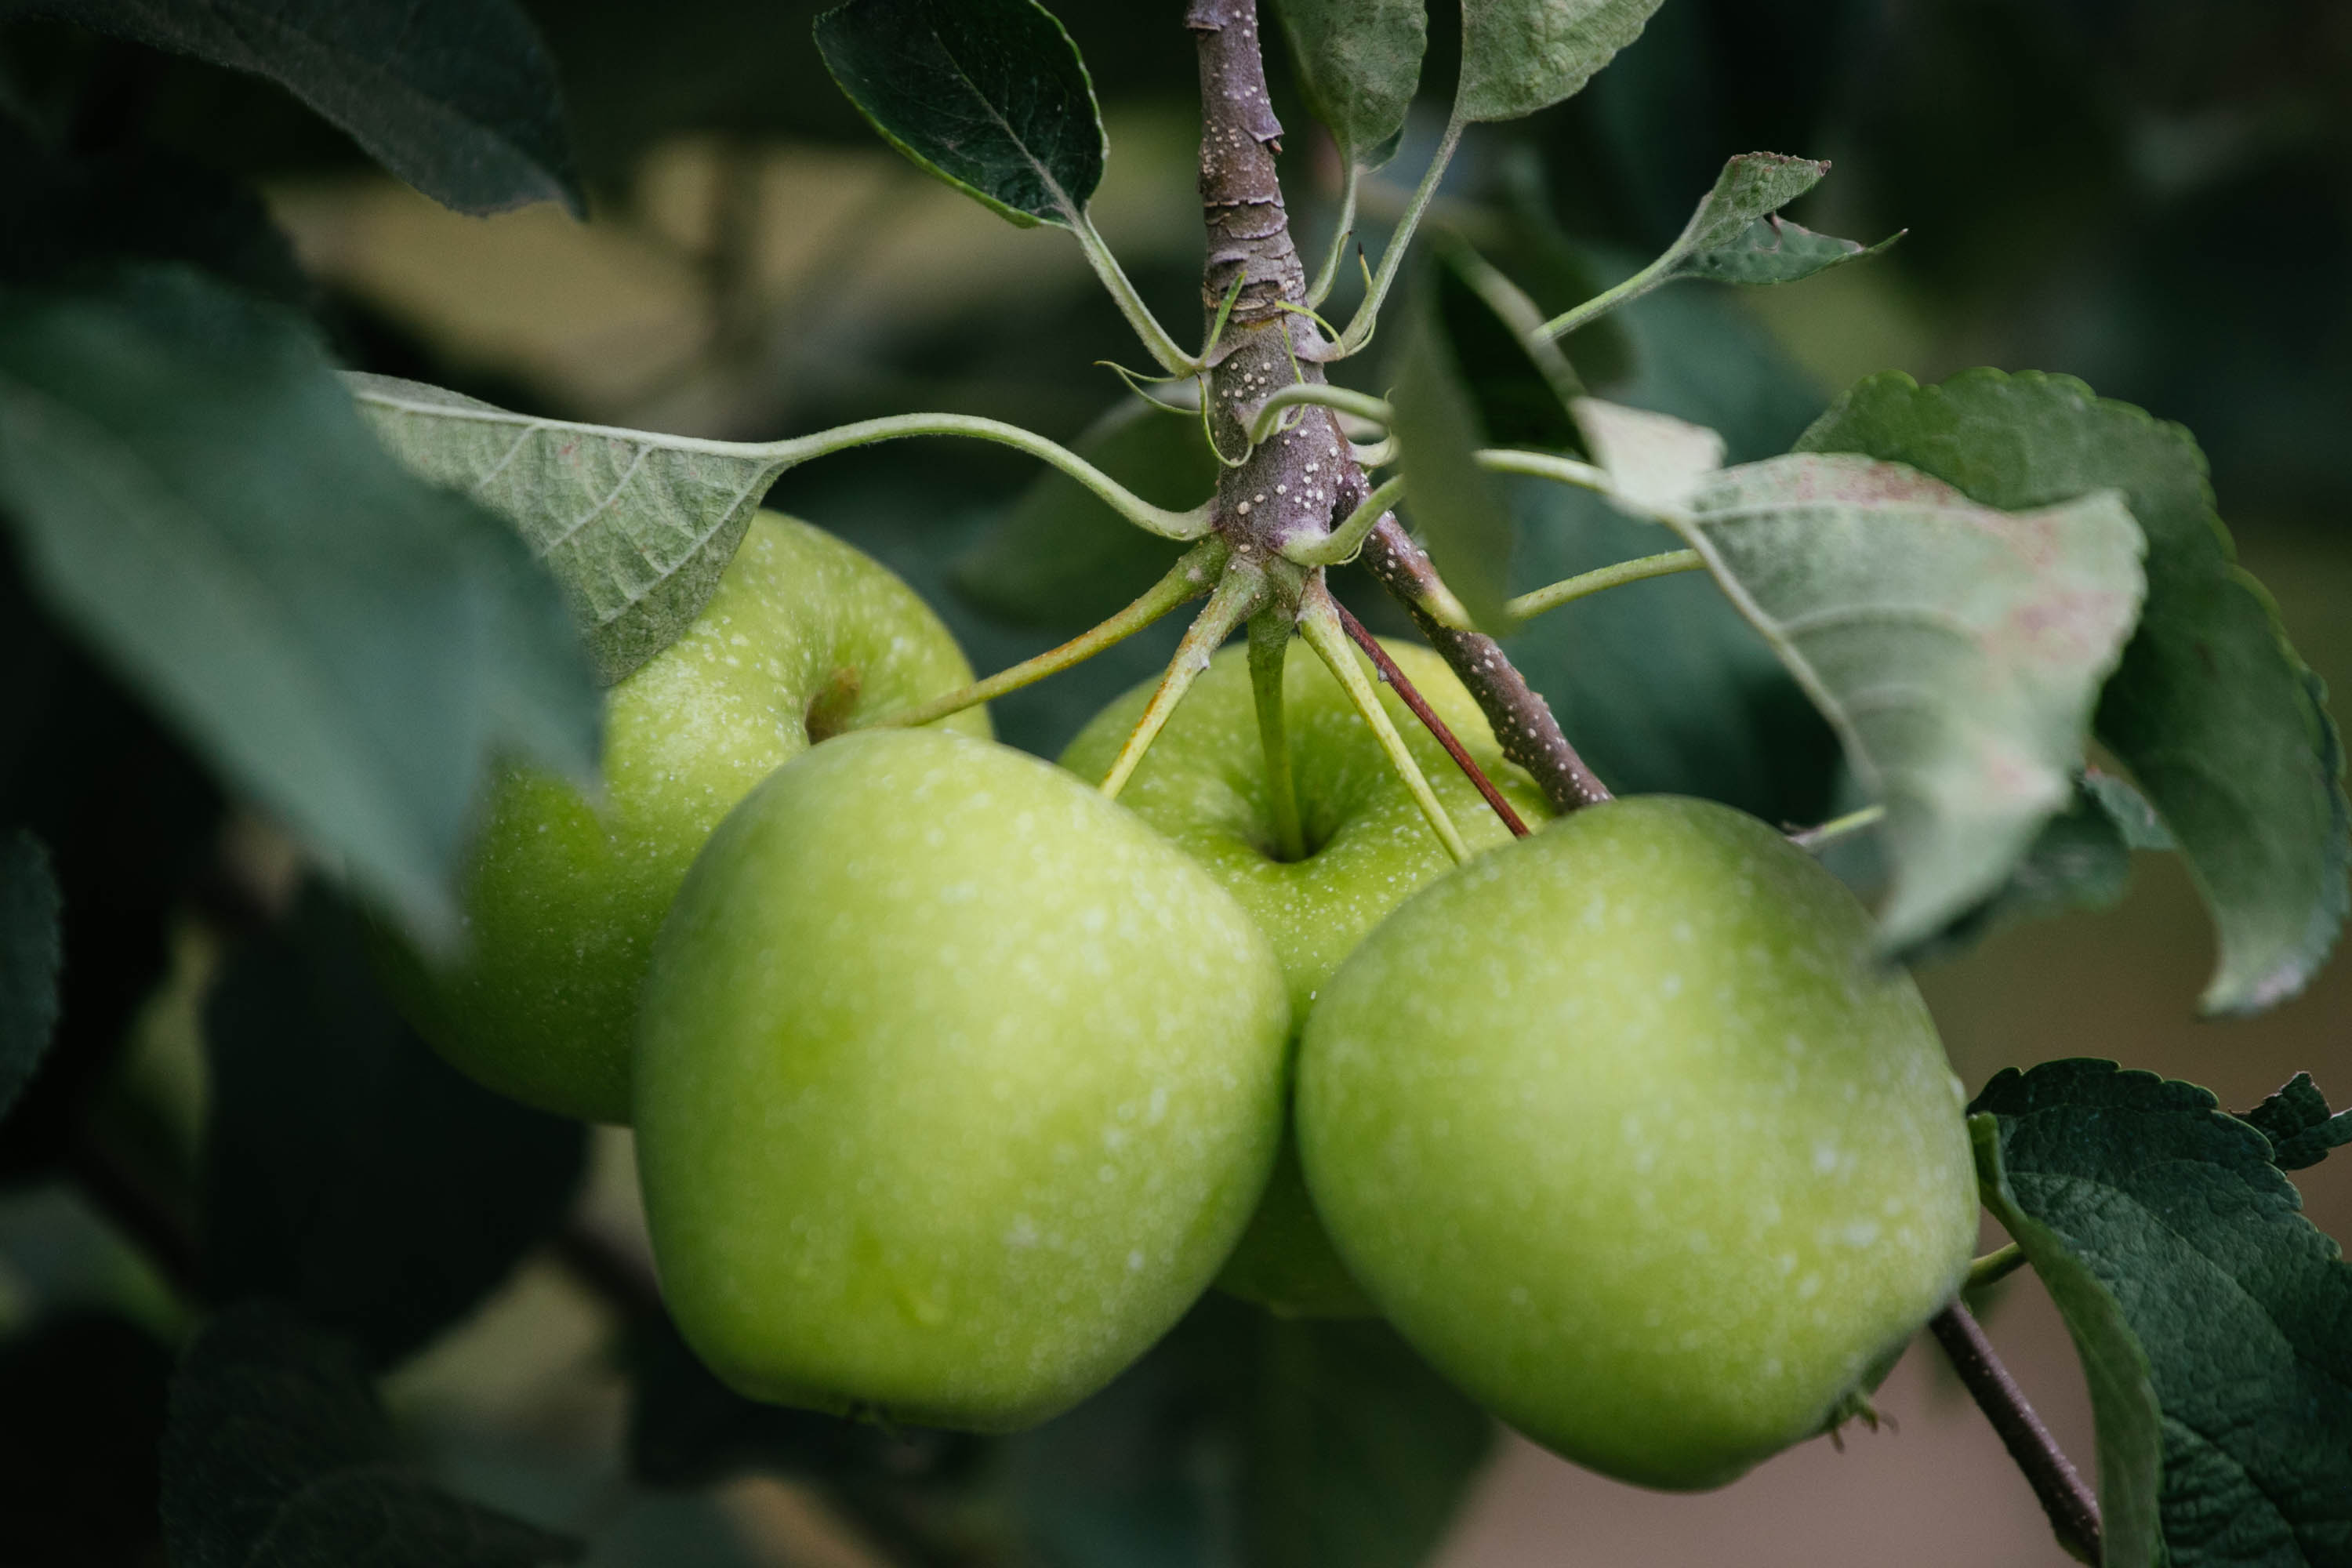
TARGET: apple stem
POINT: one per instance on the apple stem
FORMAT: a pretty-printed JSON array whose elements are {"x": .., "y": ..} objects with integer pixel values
[
  {"x": 1269, "y": 644},
  {"x": 1428, "y": 716},
  {"x": 2073, "y": 1511},
  {"x": 1319, "y": 623},
  {"x": 1187, "y": 580},
  {"x": 1239, "y": 593}
]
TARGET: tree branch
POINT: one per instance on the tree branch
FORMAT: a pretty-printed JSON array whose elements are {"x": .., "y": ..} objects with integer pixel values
[
  {"x": 2073, "y": 1511},
  {"x": 1522, "y": 720},
  {"x": 1429, "y": 721}
]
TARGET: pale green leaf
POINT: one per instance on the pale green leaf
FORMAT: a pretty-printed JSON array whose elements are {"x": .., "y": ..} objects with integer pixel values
[
  {"x": 1656, "y": 462},
  {"x": 2080, "y": 859},
  {"x": 1519, "y": 56},
  {"x": 636, "y": 526},
  {"x": 1358, "y": 63},
  {"x": 2216, "y": 717},
  {"x": 989, "y": 94},
  {"x": 1957, "y": 650}
]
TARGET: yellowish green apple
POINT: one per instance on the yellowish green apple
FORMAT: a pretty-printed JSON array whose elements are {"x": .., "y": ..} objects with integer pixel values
[
  {"x": 1626, "y": 1130},
  {"x": 562, "y": 896},
  {"x": 1203, "y": 784},
  {"x": 954, "y": 1085}
]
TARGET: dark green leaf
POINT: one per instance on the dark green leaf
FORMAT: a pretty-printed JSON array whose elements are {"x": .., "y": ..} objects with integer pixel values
[
  {"x": 28, "y": 962},
  {"x": 1357, "y": 1453},
  {"x": 1061, "y": 558},
  {"x": 2216, "y": 716},
  {"x": 1955, "y": 649},
  {"x": 688, "y": 1429},
  {"x": 2080, "y": 859},
  {"x": 277, "y": 1454},
  {"x": 1459, "y": 508},
  {"x": 59, "y": 215},
  {"x": 457, "y": 97},
  {"x": 1357, "y": 62},
  {"x": 636, "y": 526},
  {"x": 1519, "y": 56},
  {"x": 1320, "y": 1443},
  {"x": 2239, "y": 1309},
  {"x": 129, "y": 818},
  {"x": 2296, "y": 1122},
  {"x": 1774, "y": 251},
  {"x": 84, "y": 1396},
  {"x": 2124, "y": 1413},
  {"x": 1519, "y": 379},
  {"x": 989, "y": 94},
  {"x": 350, "y": 1171},
  {"x": 193, "y": 491}
]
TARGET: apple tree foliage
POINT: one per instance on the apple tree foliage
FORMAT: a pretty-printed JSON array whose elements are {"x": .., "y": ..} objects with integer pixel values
[{"x": 236, "y": 576}]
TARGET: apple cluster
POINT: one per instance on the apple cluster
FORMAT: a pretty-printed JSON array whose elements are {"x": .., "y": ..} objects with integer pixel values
[{"x": 955, "y": 1082}]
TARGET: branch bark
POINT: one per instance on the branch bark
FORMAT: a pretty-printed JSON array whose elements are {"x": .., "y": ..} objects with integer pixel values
[
  {"x": 2073, "y": 1511},
  {"x": 1521, "y": 719}
]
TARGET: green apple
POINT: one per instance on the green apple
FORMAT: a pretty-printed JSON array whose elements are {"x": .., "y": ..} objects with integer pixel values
[
  {"x": 1203, "y": 784},
  {"x": 1626, "y": 1130},
  {"x": 562, "y": 896},
  {"x": 954, "y": 1085}
]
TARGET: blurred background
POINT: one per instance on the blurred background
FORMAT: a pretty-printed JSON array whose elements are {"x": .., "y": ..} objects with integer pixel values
[{"x": 2150, "y": 195}]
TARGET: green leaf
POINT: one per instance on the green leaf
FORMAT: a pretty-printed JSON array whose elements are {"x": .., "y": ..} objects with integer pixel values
[
  {"x": 1733, "y": 236},
  {"x": 989, "y": 94},
  {"x": 2240, "y": 1307},
  {"x": 1460, "y": 510},
  {"x": 320, "y": 1188},
  {"x": 1061, "y": 558},
  {"x": 1358, "y": 63},
  {"x": 1751, "y": 185},
  {"x": 2296, "y": 1122},
  {"x": 2216, "y": 717},
  {"x": 636, "y": 526},
  {"x": 277, "y": 1454},
  {"x": 28, "y": 962},
  {"x": 1519, "y": 56},
  {"x": 456, "y": 97},
  {"x": 2080, "y": 859},
  {"x": 1774, "y": 251},
  {"x": 193, "y": 492},
  {"x": 1955, "y": 649}
]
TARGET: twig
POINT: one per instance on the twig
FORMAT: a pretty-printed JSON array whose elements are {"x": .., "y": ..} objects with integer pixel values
[
  {"x": 1428, "y": 716},
  {"x": 1522, "y": 720},
  {"x": 2073, "y": 1511}
]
